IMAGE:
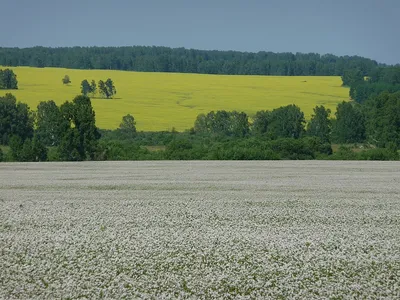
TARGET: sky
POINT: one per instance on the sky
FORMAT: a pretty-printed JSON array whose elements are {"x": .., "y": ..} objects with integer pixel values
[{"x": 368, "y": 28}]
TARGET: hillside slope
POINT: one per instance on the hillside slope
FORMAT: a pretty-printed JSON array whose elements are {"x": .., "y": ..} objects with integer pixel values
[{"x": 162, "y": 101}]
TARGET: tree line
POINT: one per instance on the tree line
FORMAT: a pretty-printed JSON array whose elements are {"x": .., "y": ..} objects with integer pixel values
[
  {"x": 165, "y": 59},
  {"x": 68, "y": 133},
  {"x": 379, "y": 80}
]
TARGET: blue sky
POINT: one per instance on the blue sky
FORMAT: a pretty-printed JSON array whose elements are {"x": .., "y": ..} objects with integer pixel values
[{"x": 367, "y": 28}]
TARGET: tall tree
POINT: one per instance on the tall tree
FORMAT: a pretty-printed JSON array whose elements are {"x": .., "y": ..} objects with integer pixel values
[
  {"x": 15, "y": 119},
  {"x": 80, "y": 142},
  {"x": 383, "y": 119},
  {"x": 261, "y": 122},
  {"x": 103, "y": 90},
  {"x": 8, "y": 80},
  {"x": 50, "y": 123},
  {"x": 320, "y": 124},
  {"x": 287, "y": 121},
  {"x": 85, "y": 87},
  {"x": 349, "y": 126},
  {"x": 110, "y": 88},
  {"x": 93, "y": 88},
  {"x": 128, "y": 126}
]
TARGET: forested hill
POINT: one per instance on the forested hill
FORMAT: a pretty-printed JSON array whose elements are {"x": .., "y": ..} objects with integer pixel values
[{"x": 164, "y": 59}]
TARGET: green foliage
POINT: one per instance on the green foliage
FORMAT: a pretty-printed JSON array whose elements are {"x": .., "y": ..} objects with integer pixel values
[
  {"x": 15, "y": 119},
  {"x": 125, "y": 150},
  {"x": 320, "y": 124},
  {"x": 128, "y": 126},
  {"x": 346, "y": 153},
  {"x": 283, "y": 122},
  {"x": 66, "y": 80},
  {"x": 15, "y": 144},
  {"x": 381, "y": 80},
  {"x": 352, "y": 77},
  {"x": 85, "y": 87},
  {"x": 1, "y": 155},
  {"x": 107, "y": 89},
  {"x": 349, "y": 126},
  {"x": 110, "y": 88},
  {"x": 379, "y": 154},
  {"x": 383, "y": 119},
  {"x": 79, "y": 142},
  {"x": 70, "y": 148},
  {"x": 28, "y": 150},
  {"x": 287, "y": 122},
  {"x": 88, "y": 88},
  {"x": 164, "y": 59},
  {"x": 223, "y": 123},
  {"x": 261, "y": 122},
  {"x": 8, "y": 80},
  {"x": 93, "y": 88},
  {"x": 50, "y": 124}
]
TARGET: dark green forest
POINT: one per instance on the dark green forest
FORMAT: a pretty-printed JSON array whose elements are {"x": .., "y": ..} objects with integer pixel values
[
  {"x": 379, "y": 80},
  {"x": 164, "y": 59}
]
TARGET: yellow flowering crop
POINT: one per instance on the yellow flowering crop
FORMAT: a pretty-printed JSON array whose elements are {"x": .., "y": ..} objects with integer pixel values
[{"x": 162, "y": 101}]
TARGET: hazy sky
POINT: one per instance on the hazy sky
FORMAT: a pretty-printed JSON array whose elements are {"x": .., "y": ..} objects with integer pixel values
[{"x": 369, "y": 28}]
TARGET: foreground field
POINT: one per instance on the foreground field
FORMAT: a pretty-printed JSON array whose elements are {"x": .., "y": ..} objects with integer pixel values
[
  {"x": 200, "y": 229},
  {"x": 161, "y": 101}
]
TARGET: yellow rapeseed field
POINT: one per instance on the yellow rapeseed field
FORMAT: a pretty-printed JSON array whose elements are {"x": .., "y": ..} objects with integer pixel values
[{"x": 162, "y": 101}]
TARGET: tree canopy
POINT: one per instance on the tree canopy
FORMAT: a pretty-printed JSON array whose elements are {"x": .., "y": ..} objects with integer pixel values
[
  {"x": 8, "y": 80},
  {"x": 164, "y": 59}
]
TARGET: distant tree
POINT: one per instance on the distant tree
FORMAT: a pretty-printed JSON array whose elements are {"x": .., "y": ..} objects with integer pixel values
[
  {"x": 15, "y": 119},
  {"x": 80, "y": 140},
  {"x": 349, "y": 126},
  {"x": 128, "y": 123},
  {"x": 128, "y": 126},
  {"x": 16, "y": 145},
  {"x": 50, "y": 123},
  {"x": 383, "y": 120},
  {"x": 8, "y": 80},
  {"x": 103, "y": 89},
  {"x": 70, "y": 146},
  {"x": 239, "y": 124},
  {"x": 320, "y": 124},
  {"x": 28, "y": 150},
  {"x": 1, "y": 155},
  {"x": 223, "y": 123},
  {"x": 352, "y": 77},
  {"x": 93, "y": 88},
  {"x": 66, "y": 80},
  {"x": 201, "y": 124},
  {"x": 261, "y": 122},
  {"x": 39, "y": 150},
  {"x": 286, "y": 121},
  {"x": 110, "y": 88},
  {"x": 85, "y": 87}
]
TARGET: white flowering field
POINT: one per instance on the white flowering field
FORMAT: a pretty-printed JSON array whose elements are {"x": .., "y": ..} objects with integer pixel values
[{"x": 167, "y": 230}]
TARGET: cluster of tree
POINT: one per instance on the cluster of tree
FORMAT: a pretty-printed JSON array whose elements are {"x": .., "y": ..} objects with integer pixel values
[
  {"x": 66, "y": 79},
  {"x": 164, "y": 59},
  {"x": 379, "y": 80},
  {"x": 282, "y": 132},
  {"x": 70, "y": 129},
  {"x": 68, "y": 132},
  {"x": 16, "y": 119},
  {"x": 8, "y": 80},
  {"x": 105, "y": 89}
]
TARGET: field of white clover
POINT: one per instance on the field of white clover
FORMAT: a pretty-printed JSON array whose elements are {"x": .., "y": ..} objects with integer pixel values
[{"x": 167, "y": 230}]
